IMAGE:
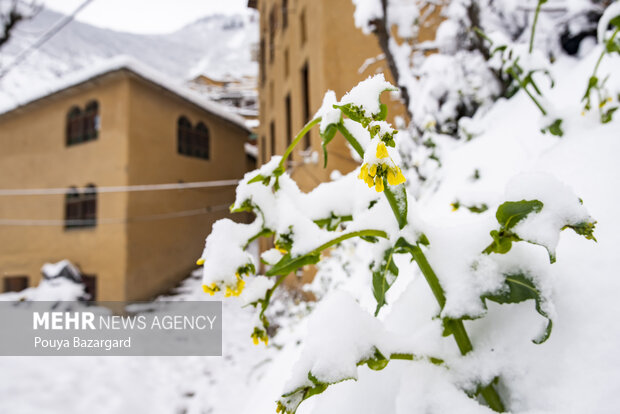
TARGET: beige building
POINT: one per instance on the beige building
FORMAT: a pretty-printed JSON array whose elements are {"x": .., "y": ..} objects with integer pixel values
[{"x": 123, "y": 126}]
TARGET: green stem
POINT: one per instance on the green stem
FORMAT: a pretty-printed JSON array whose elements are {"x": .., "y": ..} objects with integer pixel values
[
  {"x": 600, "y": 58},
  {"x": 349, "y": 137},
  {"x": 361, "y": 233},
  {"x": 456, "y": 327},
  {"x": 524, "y": 87},
  {"x": 540, "y": 3},
  {"x": 298, "y": 138}
]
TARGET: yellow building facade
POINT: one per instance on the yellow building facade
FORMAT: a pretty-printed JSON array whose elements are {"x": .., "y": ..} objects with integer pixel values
[{"x": 138, "y": 243}]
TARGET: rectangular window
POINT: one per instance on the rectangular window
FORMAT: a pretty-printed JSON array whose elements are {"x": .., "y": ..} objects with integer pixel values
[
  {"x": 15, "y": 283},
  {"x": 81, "y": 208},
  {"x": 305, "y": 91},
  {"x": 289, "y": 128},
  {"x": 302, "y": 27},
  {"x": 273, "y": 26},
  {"x": 284, "y": 14},
  {"x": 263, "y": 149},
  {"x": 286, "y": 64},
  {"x": 261, "y": 61},
  {"x": 272, "y": 137}
]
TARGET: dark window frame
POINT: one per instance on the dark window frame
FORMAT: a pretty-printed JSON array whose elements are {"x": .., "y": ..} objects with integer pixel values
[
  {"x": 82, "y": 125},
  {"x": 284, "y": 9},
  {"x": 81, "y": 208},
  {"x": 193, "y": 141},
  {"x": 272, "y": 137},
  {"x": 288, "y": 114},
  {"x": 15, "y": 283},
  {"x": 305, "y": 96}
]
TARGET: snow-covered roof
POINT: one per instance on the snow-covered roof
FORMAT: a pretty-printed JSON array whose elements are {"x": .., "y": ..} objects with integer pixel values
[{"x": 136, "y": 67}]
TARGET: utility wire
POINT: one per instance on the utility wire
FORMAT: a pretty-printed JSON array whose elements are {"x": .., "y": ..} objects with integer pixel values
[
  {"x": 43, "y": 38},
  {"x": 78, "y": 222},
  {"x": 121, "y": 188}
]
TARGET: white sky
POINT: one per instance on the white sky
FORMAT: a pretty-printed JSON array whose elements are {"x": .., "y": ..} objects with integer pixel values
[{"x": 145, "y": 16}]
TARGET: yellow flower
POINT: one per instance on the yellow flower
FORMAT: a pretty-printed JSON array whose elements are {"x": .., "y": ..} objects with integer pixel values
[
  {"x": 372, "y": 170},
  {"x": 200, "y": 261},
  {"x": 211, "y": 289},
  {"x": 369, "y": 180},
  {"x": 400, "y": 178},
  {"x": 259, "y": 336},
  {"x": 382, "y": 151},
  {"x": 379, "y": 184},
  {"x": 395, "y": 176},
  {"x": 391, "y": 177},
  {"x": 363, "y": 172}
]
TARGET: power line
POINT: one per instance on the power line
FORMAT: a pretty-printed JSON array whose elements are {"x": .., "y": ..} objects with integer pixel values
[
  {"x": 44, "y": 38},
  {"x": 121, "y": 188},
  {"x": 153, "y": 217}
]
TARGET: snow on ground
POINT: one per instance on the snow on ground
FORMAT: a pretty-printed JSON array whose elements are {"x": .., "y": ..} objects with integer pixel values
[{"x": 166, "y": 385}]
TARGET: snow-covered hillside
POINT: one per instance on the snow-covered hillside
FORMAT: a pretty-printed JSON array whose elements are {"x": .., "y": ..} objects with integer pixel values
[{"x": 215, "y": 46}]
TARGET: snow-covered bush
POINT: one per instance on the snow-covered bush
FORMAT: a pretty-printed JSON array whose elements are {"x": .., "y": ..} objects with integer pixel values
[{"x": 382, "y": 213}]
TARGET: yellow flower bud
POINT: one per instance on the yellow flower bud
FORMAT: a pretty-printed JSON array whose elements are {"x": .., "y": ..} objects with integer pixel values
[
  {"x": 369, "y": 181},
  {"x": 363, "y": 172},
  {"x": 373, "y": 170},
  {"x": 379, "y": 184},
  {"x": 255, "y": 339},
  {"x": 391, "y": 177},
  {"x": 400, "y": 178},
  {"x": 382, "y": 151},
  {"x": 200, "y": 261}
]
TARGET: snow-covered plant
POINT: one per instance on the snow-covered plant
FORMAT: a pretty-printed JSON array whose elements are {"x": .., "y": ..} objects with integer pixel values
[
  {"x": 611, "y": 45},
  {"x": 372, "y": 204}
]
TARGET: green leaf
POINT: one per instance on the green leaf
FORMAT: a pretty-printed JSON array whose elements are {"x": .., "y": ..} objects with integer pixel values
[
  {"x": 508, "y": 215},
  {"x": 326, "y": 138},
  {"x": 511, "y": 212},
  {"x": 383, "y": 277},
  {"x": 382, "y": 115},
  {"x": 256, "y": 179},
  {"x": 585, "y": 229},
  {"x": 332, "y": 222},
  {"x": 397, "y": 197},
  {"x": 288, "y": 264},
  {"x": 520, "y": 288},
  {"x": 355, "y": 113},
  {"x": 607, "y": 116},
  {"x": 555, "y": 128}
]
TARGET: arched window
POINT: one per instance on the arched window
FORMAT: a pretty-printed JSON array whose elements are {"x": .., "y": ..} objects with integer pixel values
[
  {"x": 184, "y": 132},
  {"x": 81, "y": 209},
  {"x": 91, "y": 121},
  {"x": 74, "y": 126},
  {"x": 193, "y": 141},
  {"x": 84, "y": 125},
  {"x": 202, "y": 141}
]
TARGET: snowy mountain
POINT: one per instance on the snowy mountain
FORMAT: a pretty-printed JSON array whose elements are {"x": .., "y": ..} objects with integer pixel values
[{"x": 215, "y": 46}]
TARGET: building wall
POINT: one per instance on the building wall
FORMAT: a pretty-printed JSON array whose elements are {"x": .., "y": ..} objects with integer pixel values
[
  {"x": 33, "y": 154},
  {"x": 162, "y": 252}
]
